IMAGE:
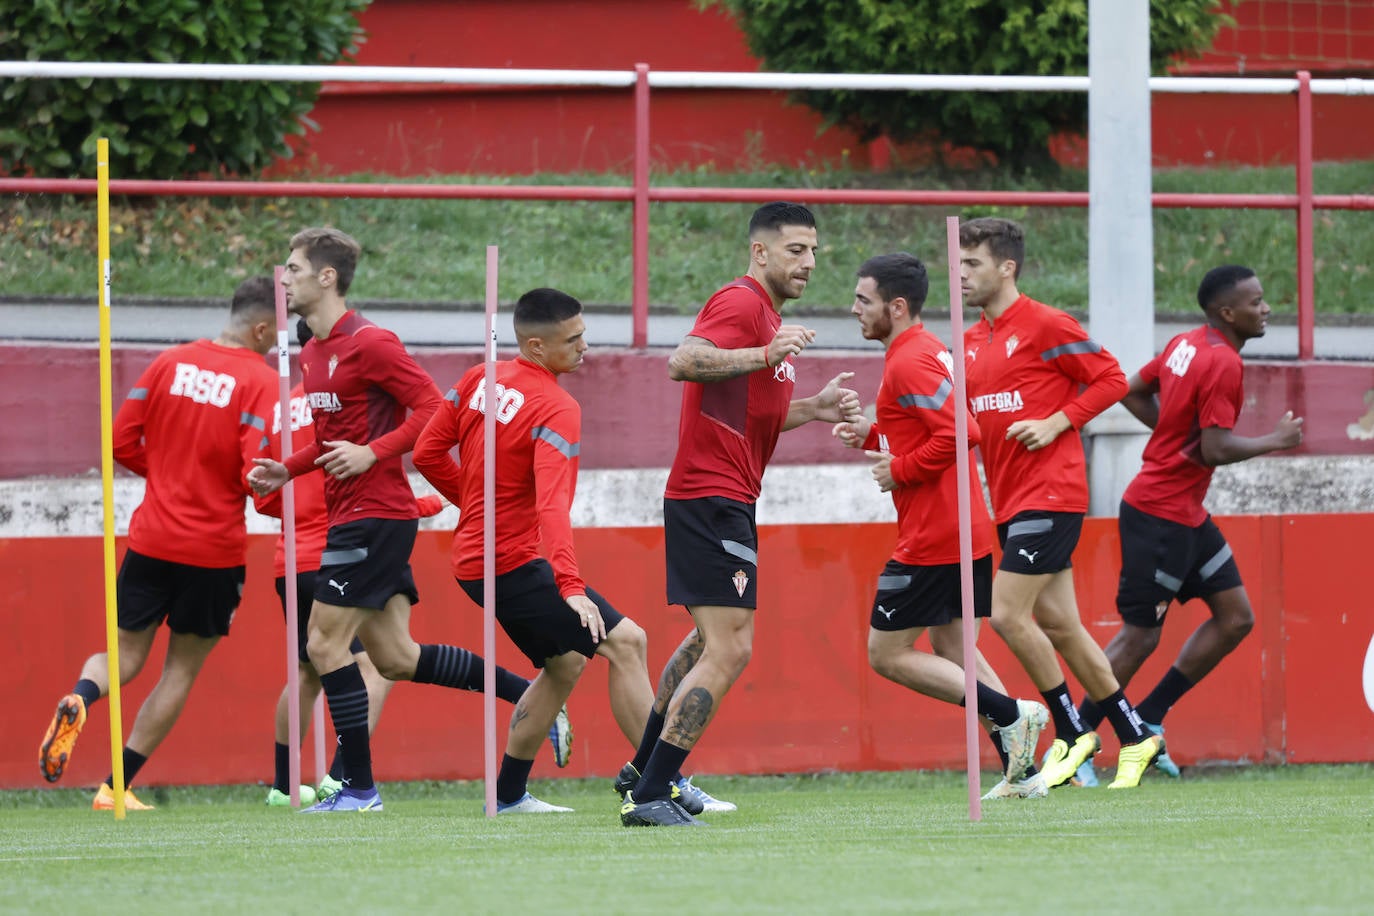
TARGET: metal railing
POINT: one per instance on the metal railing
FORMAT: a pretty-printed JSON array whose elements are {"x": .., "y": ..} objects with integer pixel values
[{"x": 641, "y": 192}]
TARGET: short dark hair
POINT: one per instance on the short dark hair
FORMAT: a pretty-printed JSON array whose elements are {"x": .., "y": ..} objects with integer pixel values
[
  {"x": 898, "y": 275},
  {"x": 1220, "y": 280},
  {"x": 254, "y": 294},
  {"x": 1006, "y": 239},
  {"x": 329, "y": 247},
  {"x": 773, "y": 216},
  {"x": 542, "y": 307}
]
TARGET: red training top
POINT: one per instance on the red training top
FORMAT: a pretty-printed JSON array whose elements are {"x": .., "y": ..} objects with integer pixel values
[
  {"x": 538, "y": 436},
  {"x": 915, "y": 409},
  {"x": 1200, "y": 380},
  {"x": 1032, "y": 362},
  {"x": 192, "y": 426},
  {"x": 312, "y": 523},
  {"x": 728, "y": 430},
  {"x": 359, "y": 382}
]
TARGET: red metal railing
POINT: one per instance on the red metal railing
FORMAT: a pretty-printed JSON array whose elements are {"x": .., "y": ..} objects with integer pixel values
[{"x": 640, "y": 193}]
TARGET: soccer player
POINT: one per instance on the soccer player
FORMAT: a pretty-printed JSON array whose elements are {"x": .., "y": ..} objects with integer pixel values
[
  {"x": 913, "y": 448},
  {"x": 311, "y": 530},
  {"x": 542, "y": 604},
  {"x": 192, "y": 426},
  {"x": 361, "y": 384},
  {"x": 1191, "y": 396},
  {"x": 737, "y": 398},
  {"x": 1034, "y": 379}
]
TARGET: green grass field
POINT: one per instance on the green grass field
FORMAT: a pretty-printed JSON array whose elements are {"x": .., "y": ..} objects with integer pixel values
[
  {"x": 1248, "y": 840},
  {"x": 434, "y": 251}
]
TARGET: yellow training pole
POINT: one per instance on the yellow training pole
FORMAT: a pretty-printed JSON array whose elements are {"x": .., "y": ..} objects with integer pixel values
[{"x": 102, "y": 165}]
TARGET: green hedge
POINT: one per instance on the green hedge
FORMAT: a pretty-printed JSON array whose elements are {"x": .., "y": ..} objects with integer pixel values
[
  {"x": 163, "y": 128},
  {"x": 982, "y": 37}
]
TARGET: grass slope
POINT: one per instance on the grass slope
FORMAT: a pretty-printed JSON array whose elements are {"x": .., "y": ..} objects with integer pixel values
[
  {"x": 1255, "y": 840},
  {"x": 434, "y": 251}
]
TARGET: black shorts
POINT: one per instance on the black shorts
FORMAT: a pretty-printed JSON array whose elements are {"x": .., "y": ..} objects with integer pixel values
[
  {"x": 928, "y": 596},
  {"x": 534, "y": 615},
  {"x": 305, "y": 597},
  {"x": 711, "y": 546},
  {"x": 367, "y": 563},
  {"x": 1038, "y": 543},
  {"x": 1163, "y": 560},
  {"x": 193, "y": 600}
]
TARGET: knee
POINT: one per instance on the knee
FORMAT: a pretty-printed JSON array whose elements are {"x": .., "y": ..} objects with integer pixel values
[
  {"x": 1133, "y": 644},
  {"x": 626, "y": 643},
  {"x": 1238, "y": 624},
  {"x": 565, "y": 669},
  {"x": 881, "y": 660},
  {"x": 392, "y": 667}
]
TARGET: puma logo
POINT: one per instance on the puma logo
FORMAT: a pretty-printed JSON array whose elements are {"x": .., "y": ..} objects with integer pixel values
[
  {"x": 885, "y": 612},
  {"x": 1030, "y": 557},
  {"x": 345, "y": 585}
]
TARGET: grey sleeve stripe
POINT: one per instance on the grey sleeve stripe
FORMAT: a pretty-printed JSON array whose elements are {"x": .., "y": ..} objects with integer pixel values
[
  {"x": 1214, "y": 564},
  {"x": 340, "y": 557},
  {"x": 451, "y": 395},
  {"x": 1069, "y": 349},
  {"x": 138, "y": 394},
  {"x": 1032, "y": 526},
  {"x": 928, "y": 401},
  {"x": 569, "y": 449},
  {"x": 892, "y": 583},
  {"x": 736, "y": 549},
  {"x": 1172, "y": 583},
  {"x": 253, "y": 420}
]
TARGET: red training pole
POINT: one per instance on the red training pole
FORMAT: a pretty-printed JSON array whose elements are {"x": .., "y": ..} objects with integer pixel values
[
  {"x": 961, "y": 466},
  {"x": 490, "y": 404},
  {"x": 288, "y": 531}
]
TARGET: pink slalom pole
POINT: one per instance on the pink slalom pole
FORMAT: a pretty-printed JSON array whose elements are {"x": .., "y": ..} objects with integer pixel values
[
  {"x": 961, "y": 465},
  {"x": 288, "y": 531},
  {"x": 490, "y": 404}
]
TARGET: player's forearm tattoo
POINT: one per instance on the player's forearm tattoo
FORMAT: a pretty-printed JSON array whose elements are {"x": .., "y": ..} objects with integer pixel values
[
  {"x": 702, "y": 362},
  {"x": 692, "y": 717},
  {"x": 687, "y": 655}
]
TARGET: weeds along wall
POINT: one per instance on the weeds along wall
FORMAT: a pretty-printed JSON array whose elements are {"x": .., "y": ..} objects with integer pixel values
[{"x": 807, "y": 701}]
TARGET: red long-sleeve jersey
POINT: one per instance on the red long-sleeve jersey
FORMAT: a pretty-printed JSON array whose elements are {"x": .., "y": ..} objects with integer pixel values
[
  {"x": 1033, "y": 361},
  {"x": 915, "y": 423},
  {"x": 192, "y": 425},
  {"x": 359, "y": 382},
  {"x": 1201, "y": 385},
  {"x": 538, "y": 437}
]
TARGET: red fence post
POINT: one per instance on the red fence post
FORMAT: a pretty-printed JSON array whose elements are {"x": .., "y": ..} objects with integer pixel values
[
  {"x": 639, "y": 296},
  {"x": 1306, "y": 280}
]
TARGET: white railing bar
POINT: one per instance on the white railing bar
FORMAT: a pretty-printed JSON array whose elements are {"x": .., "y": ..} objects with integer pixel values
[{"x": 660, "y": 79}]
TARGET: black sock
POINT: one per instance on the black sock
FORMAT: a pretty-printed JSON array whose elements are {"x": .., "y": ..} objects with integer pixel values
[
  {"x": 346, "y": 695},
  {"x": 87, "y": 690},
  {"x": 281, "y": 780},
  {"x": 1125, "y": 720},
  {"x": 1090, "y": 714},
  {"x": 1001, "y": 752},
  {"x": 337, "y": 770},
  {"x": 996, "y": 707},
  {"x": 452, "y": 666},
  {"x": 133, "y": 762},
  {"x": 1166, "y": 693},
  {"x": 1067, "y": 726},
  {"x": 652, "y": 730},
  {"x": 666, "y": 760},
  {"x": 513, "y": 779}
]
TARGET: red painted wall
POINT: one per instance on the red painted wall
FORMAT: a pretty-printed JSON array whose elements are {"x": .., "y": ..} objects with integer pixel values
[
  {"x": 1291, "y": 692},
  {"x": 54, "y": 429},
  {"x": 421, "y": 130}
]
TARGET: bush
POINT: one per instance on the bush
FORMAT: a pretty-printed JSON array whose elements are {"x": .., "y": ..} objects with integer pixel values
[
  {"x": 163, "y": 128},
  {"x": 983, "y": 37}
]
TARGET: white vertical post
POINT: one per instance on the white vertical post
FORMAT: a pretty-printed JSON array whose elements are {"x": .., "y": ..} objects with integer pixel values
[{"x": 1120, "y": 229}]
